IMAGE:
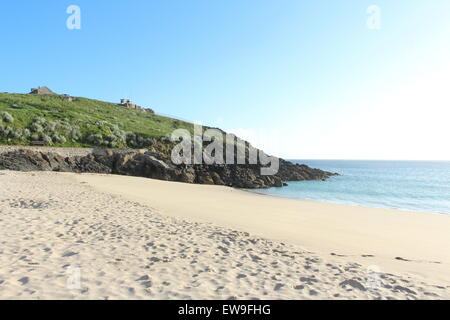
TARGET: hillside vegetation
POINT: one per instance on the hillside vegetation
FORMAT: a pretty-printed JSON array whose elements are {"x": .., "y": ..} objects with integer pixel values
[
  {"x": 80, "y": 123},
  {"x": 55, "y": 121}
]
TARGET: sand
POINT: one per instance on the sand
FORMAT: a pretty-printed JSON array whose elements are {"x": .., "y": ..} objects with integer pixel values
[{"x": 69, "y": 236}]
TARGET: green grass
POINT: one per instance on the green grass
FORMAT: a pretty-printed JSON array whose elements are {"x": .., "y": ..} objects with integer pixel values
[{"x": 86, "y": 116}]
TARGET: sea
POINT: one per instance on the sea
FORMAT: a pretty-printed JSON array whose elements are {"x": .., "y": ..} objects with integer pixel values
[{"x": 404, "y": 185}]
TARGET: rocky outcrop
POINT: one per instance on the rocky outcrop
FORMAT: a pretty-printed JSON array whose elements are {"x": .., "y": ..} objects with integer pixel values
[
  {"x": 26, "y": 160},
  {"x": 289, "y": 171},
  {"x": 157, "y": 166}
]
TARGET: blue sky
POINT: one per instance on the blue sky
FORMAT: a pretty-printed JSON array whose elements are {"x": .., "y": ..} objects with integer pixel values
[{"x": 301, "y": 79}]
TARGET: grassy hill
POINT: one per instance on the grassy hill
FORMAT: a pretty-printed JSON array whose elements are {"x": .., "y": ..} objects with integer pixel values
[{"x": 81, "y": 123}]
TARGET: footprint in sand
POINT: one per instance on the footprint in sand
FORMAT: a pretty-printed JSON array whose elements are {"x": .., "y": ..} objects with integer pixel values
[
  {"x": 352, "y": 283},
  {"x": 69, "y": 254},
  {"x": 401, "y": 259},
  {"x": 145, "y": 281},
  {"x": 308, "y": 281},
  {"x": 337, "y": 255},
  {"x": 405, "y": 290},
  {"x": 313, "y": 292},
  {"x": 278, "y": 287},
  {"x": 223, "y": 249}
]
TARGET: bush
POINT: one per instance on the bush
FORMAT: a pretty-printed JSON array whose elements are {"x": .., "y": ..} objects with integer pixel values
[
  {"x": 47, "y": 140},
  {"x": 40, "y": 121},
  {"x": 59, "y": 139},
  {"x": 67, "y": 128},
  {"x": 75, "y": 134},
  {"x": 50, "y": 126},
  {"x": 150, "y": 141},
  {"x": 130, "y": 139},
  {"x": 120, "y": 135},
  {"x": 3, "y": 131},
  {"x": 96, "y": 139},
  {"x": 6, "y": 117},
  {"x": 16, "y": 134},
  {"x": 7, "y": 131},
  {"x": 101, "y": 123},
  {"x": 36, "y": 127}
]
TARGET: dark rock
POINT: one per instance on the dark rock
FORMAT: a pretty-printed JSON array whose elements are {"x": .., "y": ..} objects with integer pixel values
[
  {"x": 217, "y": 179},
  {"x": 157, "y": 165},
  {"x": 187, "y": 175},
  {"x": 203, "y": 177}
]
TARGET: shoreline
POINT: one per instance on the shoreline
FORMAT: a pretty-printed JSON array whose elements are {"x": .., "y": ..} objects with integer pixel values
[{"x": 405, "y": 210}]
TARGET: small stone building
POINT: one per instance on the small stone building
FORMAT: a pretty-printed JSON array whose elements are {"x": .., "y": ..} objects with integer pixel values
[
  {"x": 42, "y": 90},
  {"x": 68, "y": 98},
  {"x": 127, "y": 103}
]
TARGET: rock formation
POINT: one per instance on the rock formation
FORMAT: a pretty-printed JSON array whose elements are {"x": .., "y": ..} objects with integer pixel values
[{"x": 157, "y": 166}]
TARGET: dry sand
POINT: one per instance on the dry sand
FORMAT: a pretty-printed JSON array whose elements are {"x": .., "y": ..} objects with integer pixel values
[{"x": 137, "y": 238}]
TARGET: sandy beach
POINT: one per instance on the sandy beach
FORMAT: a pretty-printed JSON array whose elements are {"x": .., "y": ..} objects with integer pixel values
[{"x": 86, "y": 236}]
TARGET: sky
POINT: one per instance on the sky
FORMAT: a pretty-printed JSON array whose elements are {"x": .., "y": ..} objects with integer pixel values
[{"x": 301, "y": 79}]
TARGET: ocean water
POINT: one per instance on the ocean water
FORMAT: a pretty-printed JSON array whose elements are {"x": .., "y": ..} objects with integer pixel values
[{"x": 407, "y": 185}]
